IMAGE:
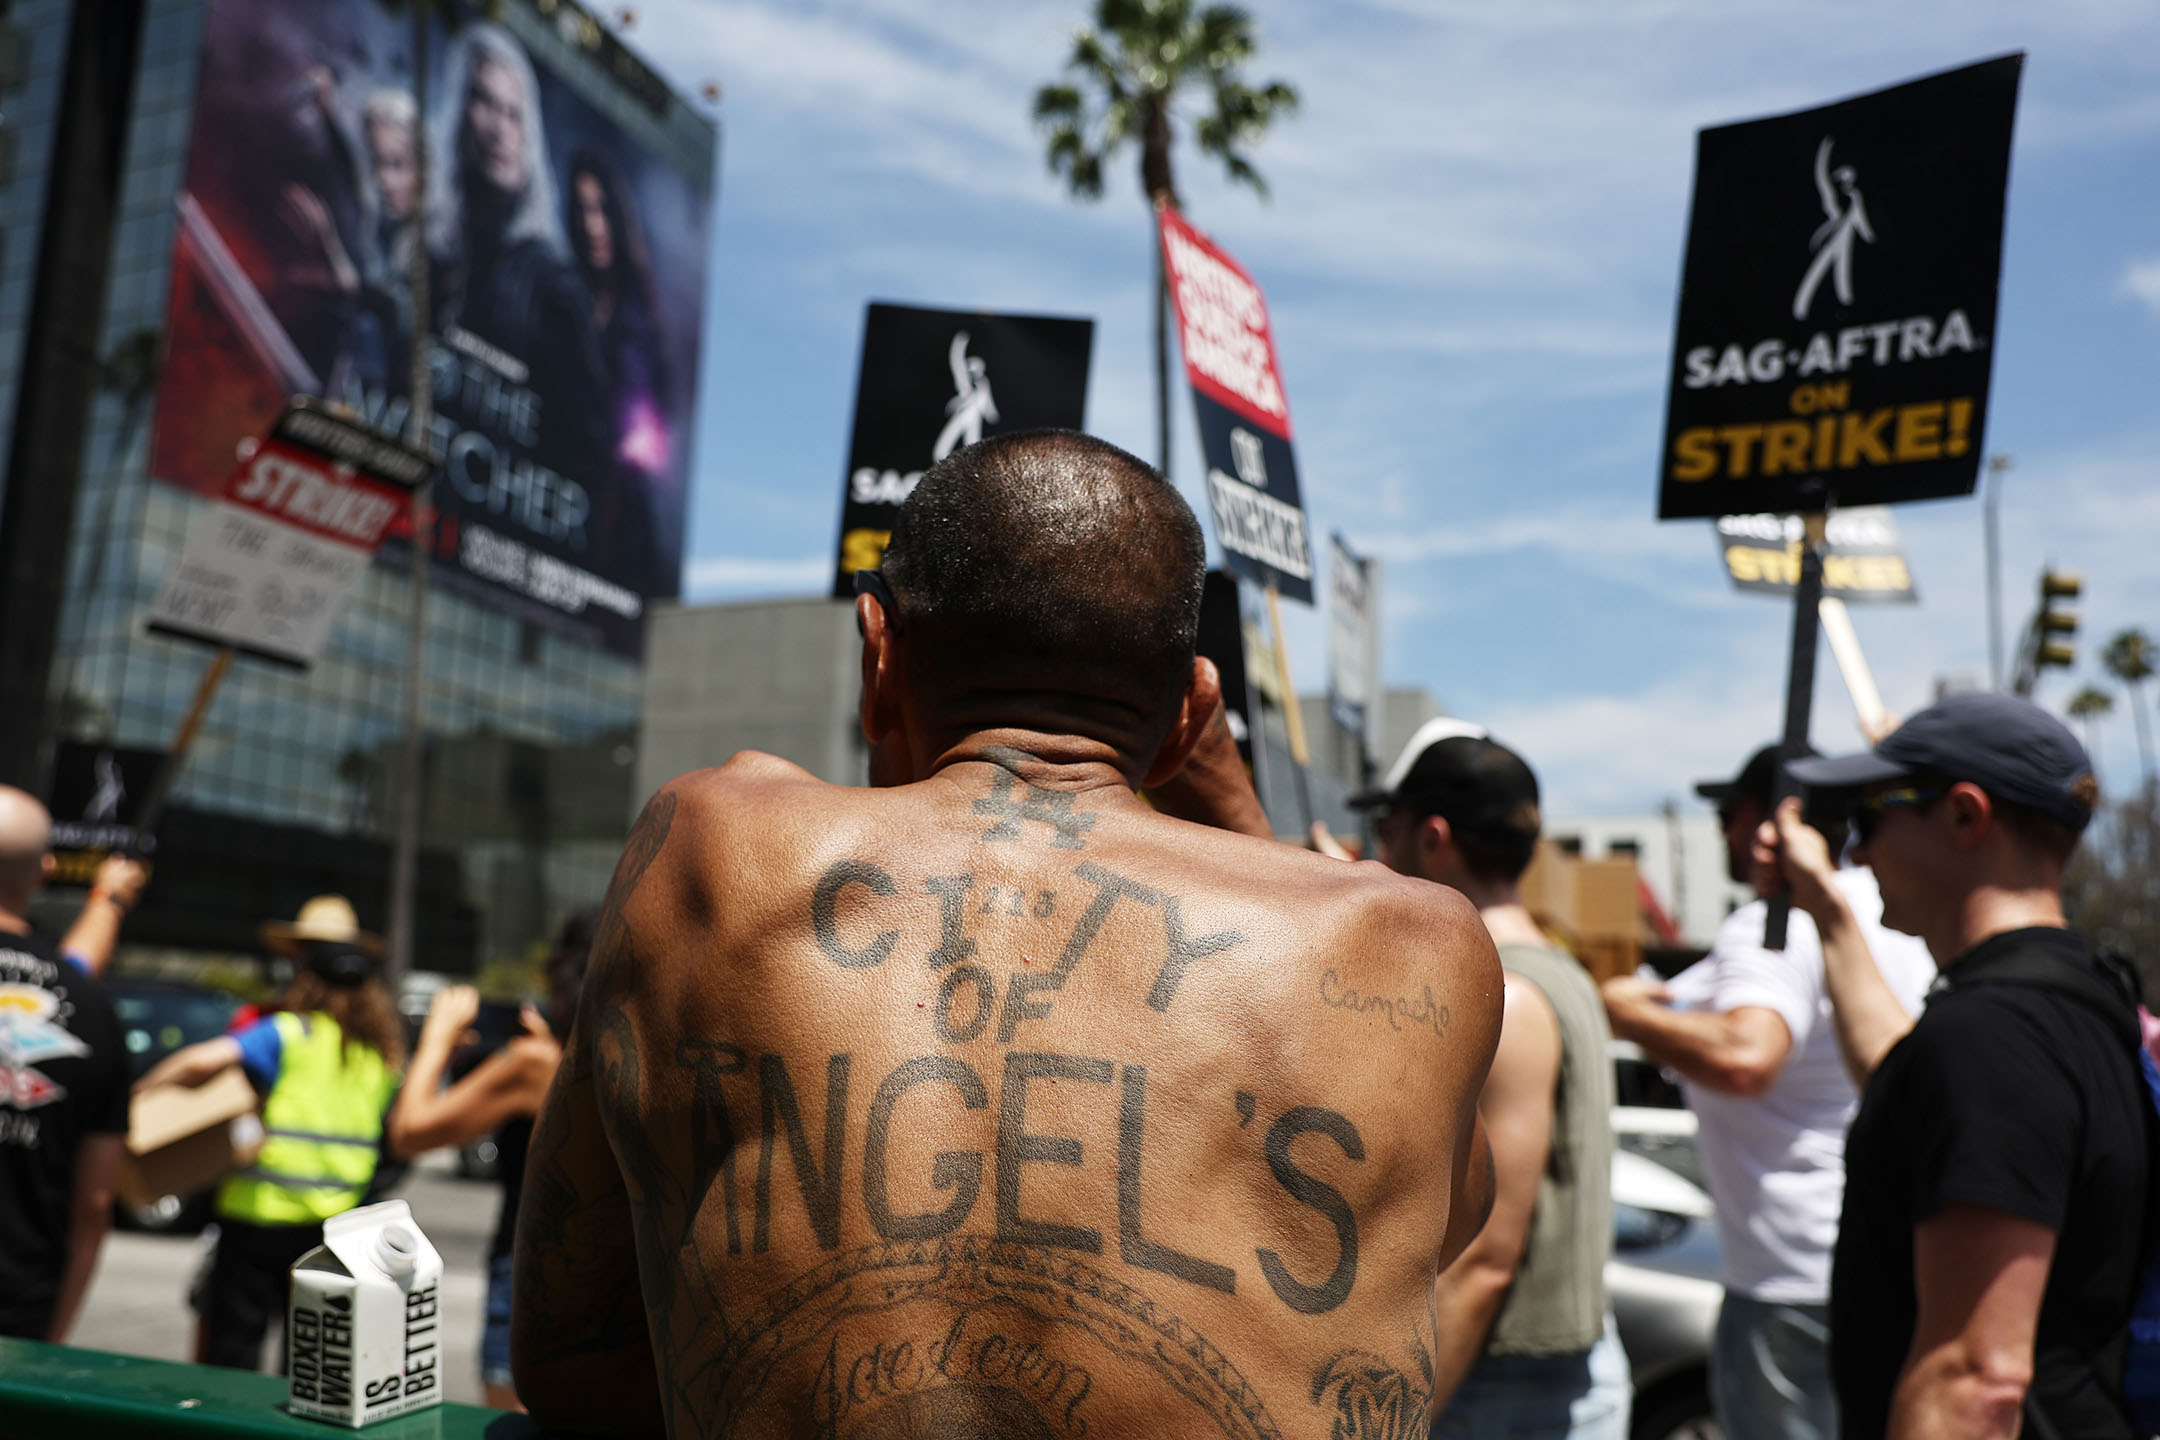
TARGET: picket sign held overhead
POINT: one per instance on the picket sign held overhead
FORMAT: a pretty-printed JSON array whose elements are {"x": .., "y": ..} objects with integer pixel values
[
  {"x": 1354, "y": 644},
  {"x": 1863, "y": 562},
  {"x": 1836, "y": 326},
  {"x": 269, "y": 564},
  {"x": 933, "y": 381},
  {"x": 1242, "y": 410}
]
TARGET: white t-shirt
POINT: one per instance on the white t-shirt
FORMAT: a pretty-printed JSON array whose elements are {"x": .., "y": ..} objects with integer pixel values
[{"x": 1775, "y": 1164}]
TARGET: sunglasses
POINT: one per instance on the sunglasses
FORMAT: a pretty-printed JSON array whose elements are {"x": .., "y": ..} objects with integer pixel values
[
  {"x": 872, "y": 583},
  {"x": 1870, "y": 809}
]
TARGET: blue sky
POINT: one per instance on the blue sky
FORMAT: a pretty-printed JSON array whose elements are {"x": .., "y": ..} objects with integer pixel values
[{"x": 1471, "y": 258}]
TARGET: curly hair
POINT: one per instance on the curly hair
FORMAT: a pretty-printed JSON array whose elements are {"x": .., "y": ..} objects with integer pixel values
[{"x": 364, "y": 1012}]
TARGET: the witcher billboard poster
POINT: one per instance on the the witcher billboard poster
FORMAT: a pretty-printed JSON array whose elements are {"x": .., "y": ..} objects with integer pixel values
[{"x": 564, "y": 219}]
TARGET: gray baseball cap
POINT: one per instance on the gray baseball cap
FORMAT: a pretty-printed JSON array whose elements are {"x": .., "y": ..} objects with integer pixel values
[{"x": 2009, "y": 747}]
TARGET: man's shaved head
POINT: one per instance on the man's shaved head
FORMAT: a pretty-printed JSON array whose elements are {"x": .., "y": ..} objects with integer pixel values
[
  {"x": 25, "y": 838},
  {"x": 1048, "y": 560}
]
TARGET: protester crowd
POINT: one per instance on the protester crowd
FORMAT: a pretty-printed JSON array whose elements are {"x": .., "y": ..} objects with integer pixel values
[{"x": 1926, "y": 1120}]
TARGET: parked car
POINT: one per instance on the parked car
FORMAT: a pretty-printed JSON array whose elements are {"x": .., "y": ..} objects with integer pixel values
[
  {"x": 1663, "y": 1278},
  {"x": 156, "y": 1018}
]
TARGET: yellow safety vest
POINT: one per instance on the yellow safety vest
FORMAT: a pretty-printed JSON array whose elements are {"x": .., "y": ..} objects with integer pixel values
[{"x": 322, "y": 1128}]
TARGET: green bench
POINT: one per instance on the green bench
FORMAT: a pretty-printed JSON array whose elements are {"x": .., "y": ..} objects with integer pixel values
[{"x": 57, "y": 1392}]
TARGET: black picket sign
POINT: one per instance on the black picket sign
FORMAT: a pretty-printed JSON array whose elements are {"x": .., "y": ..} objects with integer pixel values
[
  {"x": 935, "y": 380},
  {"x": 1253, "y": 494},
  {"x": 1222, "y": 639},
  {"x": 96, "y": 793},
  {"x": 1837, "y": 308}
]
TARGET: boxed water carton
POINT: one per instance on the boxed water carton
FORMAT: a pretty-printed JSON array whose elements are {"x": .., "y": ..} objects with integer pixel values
[{"x": 365, "y": 1336}]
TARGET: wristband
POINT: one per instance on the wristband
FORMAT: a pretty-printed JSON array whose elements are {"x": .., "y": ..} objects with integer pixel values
[{"x": 111, "y": 899}]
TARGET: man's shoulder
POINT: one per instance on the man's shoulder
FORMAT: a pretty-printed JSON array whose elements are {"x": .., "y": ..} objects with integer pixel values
[
  {"x": 747, "y": 774},
  {"x": 750, "y": 794},
  {"x": 1401, "y": 906},
  {"x": 1742, "y": 929},
  {"x": 1995, "y": 1039}
]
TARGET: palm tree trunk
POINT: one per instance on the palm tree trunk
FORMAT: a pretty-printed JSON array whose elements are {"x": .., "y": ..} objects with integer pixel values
[
  {"x": 1156, "y": 184},
  {"x": 2144, "y": 730},
  {"x": 1162, "y": 363}
]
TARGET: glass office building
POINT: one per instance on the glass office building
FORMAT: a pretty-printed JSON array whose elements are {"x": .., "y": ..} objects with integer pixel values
[{"x": 530, "y": 698}]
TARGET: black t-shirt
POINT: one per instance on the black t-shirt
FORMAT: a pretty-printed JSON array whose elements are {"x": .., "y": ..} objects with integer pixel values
[
  {"x": 63, "y": 1076},
  {"x": 2021, "y": 1099}
]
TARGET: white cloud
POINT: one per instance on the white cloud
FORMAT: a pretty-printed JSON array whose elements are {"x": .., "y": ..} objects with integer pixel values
[
  {"x": 708, "y": 577},
  {"x": 2141, "y": 282},
  {"x": 1625, "y": 754}
]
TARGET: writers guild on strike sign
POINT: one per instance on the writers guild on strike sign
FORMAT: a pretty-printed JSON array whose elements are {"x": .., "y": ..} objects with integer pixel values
[{"x": 1837, "y": 312}]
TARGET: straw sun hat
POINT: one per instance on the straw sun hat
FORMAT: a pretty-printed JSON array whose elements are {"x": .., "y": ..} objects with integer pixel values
[{"x": 326, "y": 917}]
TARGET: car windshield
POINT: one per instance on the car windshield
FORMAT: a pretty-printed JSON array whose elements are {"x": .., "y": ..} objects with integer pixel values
[{"x": 157, "y": 1022}]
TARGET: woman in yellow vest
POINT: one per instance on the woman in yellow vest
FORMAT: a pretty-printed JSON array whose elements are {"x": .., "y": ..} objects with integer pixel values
[{"x": 326, "y": 1064}]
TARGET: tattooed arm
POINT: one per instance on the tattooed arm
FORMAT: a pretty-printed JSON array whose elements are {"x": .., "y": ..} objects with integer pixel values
[
  {"x": 578, "y": 1344},
  {"x": 580, "y": 1347}
]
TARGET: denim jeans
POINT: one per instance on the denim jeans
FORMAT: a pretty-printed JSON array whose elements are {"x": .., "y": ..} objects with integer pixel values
[
  {"x": 1585, "y": 1395},
  {"x": 495, "y": 1332},
  {"x": 1770, "y": 1371}
]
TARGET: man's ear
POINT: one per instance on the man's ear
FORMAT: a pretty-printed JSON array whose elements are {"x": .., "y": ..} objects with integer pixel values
[
  {"x": 47, "y": 864},
  {"x": 1972, "y": 814},
  {"x": 1434, "y": 837},
  {"x": 1199, "y": 711},
  {"x": 882, "y": 668}
]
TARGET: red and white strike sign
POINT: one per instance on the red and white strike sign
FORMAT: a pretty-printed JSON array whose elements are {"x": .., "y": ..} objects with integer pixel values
[
  {"x": 270, "y": 564},
  {"x": 1242, "y": 413}
]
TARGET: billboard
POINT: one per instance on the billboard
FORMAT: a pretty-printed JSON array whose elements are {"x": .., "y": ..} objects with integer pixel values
[
  {"x": 935, "y": 380},
  {"x": 564, "y": 224},
  {"x": 1837, "y": 305},
  {"x": 1242, "y": 410}
]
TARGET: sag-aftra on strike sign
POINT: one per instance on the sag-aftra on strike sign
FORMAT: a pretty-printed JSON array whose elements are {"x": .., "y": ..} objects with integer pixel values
[{"x": 1837, "y": 308}]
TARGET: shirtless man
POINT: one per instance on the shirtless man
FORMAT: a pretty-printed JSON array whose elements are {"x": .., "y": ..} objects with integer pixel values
[{"x": 996, "y": 1104}]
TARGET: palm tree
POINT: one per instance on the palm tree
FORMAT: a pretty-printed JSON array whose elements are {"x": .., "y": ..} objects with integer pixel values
[
  {"x": 1132, "y": 67},
  {"x": 2130, "y": 657},
  {"x": 2086, "y": 707}
]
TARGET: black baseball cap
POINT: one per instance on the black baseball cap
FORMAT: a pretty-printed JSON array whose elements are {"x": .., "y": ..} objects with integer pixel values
[
  {"x": 2009, "y": 747},
  {"x": 1459, "y": 773},
  {"x": 1756, "y": 781}
]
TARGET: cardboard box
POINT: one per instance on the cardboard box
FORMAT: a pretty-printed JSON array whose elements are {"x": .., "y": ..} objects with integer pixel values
[
  {"x": 364, "y": 1333},
  {"x": 184, "y": 1138}
]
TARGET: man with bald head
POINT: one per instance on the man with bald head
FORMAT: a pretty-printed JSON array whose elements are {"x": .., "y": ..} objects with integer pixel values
[
  {"x": 992, "y": 1102},
  {"x": 63, "y": 1099}
]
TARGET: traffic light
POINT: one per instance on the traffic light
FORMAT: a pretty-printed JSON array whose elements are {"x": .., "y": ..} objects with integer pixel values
[
  {"x": 2047, "y": 639},
  {"x": 2053, "y": 626}
]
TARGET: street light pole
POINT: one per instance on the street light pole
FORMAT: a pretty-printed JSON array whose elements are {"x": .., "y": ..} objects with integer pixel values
[{"x": 1997, "y": 467}]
